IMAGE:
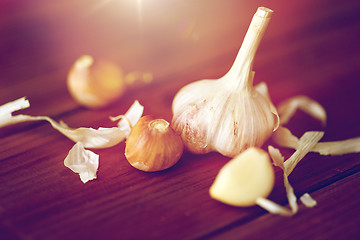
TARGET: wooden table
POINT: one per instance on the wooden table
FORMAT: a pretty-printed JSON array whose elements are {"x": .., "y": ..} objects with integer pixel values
[{"x": 310, "y": 48}]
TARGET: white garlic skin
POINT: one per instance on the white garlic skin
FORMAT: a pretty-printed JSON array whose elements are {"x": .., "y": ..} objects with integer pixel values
[{"x": 211, "y": 117}]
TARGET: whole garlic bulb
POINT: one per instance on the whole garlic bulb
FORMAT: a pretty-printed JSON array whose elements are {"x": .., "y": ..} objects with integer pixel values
[{"x": 228, "y": 115}]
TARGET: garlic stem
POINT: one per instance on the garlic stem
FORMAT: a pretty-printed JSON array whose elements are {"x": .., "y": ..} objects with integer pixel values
[{"x": 241, "y": 70}]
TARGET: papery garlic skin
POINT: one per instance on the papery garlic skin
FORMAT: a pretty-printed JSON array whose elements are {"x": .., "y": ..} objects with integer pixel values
[
  {"x": 227, "y": 115},
  {"x": 82, "y": 161},
  {"x": 89, "y": 137}
]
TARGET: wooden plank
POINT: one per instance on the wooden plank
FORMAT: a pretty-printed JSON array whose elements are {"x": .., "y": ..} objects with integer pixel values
[
  {"x": 122, "y": 194},
  {"x": 315, "y": 54},
  {"x": 328, "y": 220}
]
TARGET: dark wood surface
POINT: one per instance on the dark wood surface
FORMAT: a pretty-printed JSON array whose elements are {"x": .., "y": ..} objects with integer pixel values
[{"x": 310, "y": 48}]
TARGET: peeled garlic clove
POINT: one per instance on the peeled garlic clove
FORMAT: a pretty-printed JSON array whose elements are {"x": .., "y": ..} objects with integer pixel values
[
  {"x": 153, "y": 145},
  {"x": 244, "y": 179},
  {"x": 95, "y": 84},
  {"x": 228, "y": 115}
]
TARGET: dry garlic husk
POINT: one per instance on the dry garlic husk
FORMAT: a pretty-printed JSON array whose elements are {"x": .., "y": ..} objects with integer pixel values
[
  {"x": 306, "y": 143},
  {"x": 284, "y": 138},
  {"x": 153, "y": 145},
  {"x": 95, "y": 84},
  {"x": 79, "y": 160},
  {"x": 287, "y": 109},
  {"x": 244, "y": 179},
  {"x": 228, "y": 115},
  {"x": 82, "y": 161},
  {"x": 89, "y": 137}
]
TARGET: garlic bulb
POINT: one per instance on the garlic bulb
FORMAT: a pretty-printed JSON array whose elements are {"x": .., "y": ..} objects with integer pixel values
[{"x": 228, "y": 115}]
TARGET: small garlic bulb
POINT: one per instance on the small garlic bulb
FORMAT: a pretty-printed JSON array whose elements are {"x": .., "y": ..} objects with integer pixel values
[
  {"x": 228, "y": 115},
  {"x": 95, "y": 84},
  {"x": 153, "y": 145}
]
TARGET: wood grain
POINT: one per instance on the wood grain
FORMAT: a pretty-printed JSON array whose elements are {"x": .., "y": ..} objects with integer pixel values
[{"x": 310, "y": 48}]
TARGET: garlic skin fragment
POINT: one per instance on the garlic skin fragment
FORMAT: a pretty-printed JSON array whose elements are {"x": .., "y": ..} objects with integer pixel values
[
  {"x": 244, "y": 179},
  {"x": 89, "y": 137},
  {"x": 130, "y": 118},
  {"x": 95, "y": 84},
  {"x": 83, "y": 162},
  {"x": 153, "y": 145},
  {"x": 287, "y": 109},
  {"x": 228, "y": 115},
  {"x": 306, "y": 142},
  {"x": 284, "y": 138},
  {"x": 308, "y": 201}
]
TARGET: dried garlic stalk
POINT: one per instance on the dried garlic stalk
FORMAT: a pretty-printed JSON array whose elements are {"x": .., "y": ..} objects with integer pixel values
[
  {"x": 228, "y": 115},
  {"x": 83, "y": 162}
]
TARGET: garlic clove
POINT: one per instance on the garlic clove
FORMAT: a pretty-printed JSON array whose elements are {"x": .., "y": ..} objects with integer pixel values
[
  {"x": 153, "y": 145},
  {"x": 95, "y": 84},
  {"x": 244, "y": 179},
  {"x": 228, "y": 115}
]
